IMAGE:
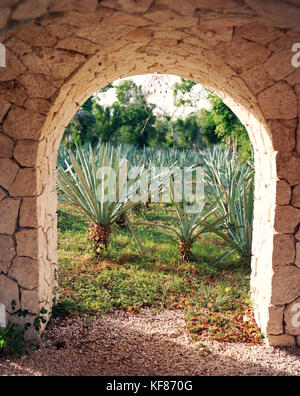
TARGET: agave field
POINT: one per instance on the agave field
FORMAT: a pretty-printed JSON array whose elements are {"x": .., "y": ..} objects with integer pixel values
[{"x": 121, "y": 246}]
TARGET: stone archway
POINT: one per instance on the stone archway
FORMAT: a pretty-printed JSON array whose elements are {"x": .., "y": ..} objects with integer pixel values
[{"x": 59, "y": 52}]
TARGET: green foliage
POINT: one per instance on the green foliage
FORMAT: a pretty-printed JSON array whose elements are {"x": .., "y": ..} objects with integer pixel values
[
  {"x": 128, "y": 93},
  {"x": 214, "y": 297},
  {"x": 131, "y": 120},
  {"x": 97, "y": 183},
  {"x": 188, "y": 131},
  {"x": 192, "y": 221},
  {"x": 230, "y": 185},
  {"x": 162, "y": 135},
  {"x": 12, "y": 337},
  {"x": 229, "y": 127},
  {"x": 82, "y": 185},
  {"x": 182, "y": 91},
  {"x": 208, "y": 128}
]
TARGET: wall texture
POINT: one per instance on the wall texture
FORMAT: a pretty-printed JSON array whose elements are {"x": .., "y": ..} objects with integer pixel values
[{"x": 59, "y": 52}]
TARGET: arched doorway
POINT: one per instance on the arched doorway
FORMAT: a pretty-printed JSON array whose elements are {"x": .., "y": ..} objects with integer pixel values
[{"x": 68, "y": 50}]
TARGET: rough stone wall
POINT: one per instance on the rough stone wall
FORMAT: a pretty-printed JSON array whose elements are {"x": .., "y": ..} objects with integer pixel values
[{"x": 59, "y": 52}]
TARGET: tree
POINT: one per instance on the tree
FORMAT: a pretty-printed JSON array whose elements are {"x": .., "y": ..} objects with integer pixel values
[
  {"x": 208, "y": 128},
  {"x": 129, "y": 120},
  {"x": 82, "y": 127},
  {"x": 162, "y": 133},
  {"x": 182, "y": 93},
  {"x": 228, "y": 126},
  {"x": 188, "y": 131}
]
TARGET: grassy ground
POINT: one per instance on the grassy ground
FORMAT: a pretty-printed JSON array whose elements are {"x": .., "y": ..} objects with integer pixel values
[{"x": 215, "y": 297}]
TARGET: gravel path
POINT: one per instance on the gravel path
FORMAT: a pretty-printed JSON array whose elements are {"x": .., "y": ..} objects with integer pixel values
[{"x": 125, "y": 344}]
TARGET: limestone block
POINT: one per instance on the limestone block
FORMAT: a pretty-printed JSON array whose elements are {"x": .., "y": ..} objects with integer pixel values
[
  {"x": 4, "y": 107},
  {"x": 293, "y": 78},
  {"x": 140, "y": 6},
  {"x": 25, "y": 152},
  {"x": 297, "y": 262},
  {"x": 30, "y": 9},
  {"x": 22, "y": 124},
  {"x": 170, "y": 18},
  {"x": 258, "y": 32},
  {"x": 287, "y": 218},
  {"x": 30, "y": 243},
  {"x": 13, "y": 67},
  {"x": 9, "y": 292},
  {"x": 9, "y": 209},
  {"x": 283, "y": 192},
  {"x": 242, "y": 54},
  {"x": 298, "y": 140},
  {"x": 278, "y": 102},
  {"x": 4, "y": 15},
  {"x": 120, "y": 18},
  {"x": 25, "y": 271},
  {"x": 37, "y": 86},
  {"x": 297, "y": 90},
  {"x": 283, "y": 136},
  {"x": 277, "y": 12},
  {"x": 9, "y": 171},
  {"x": 189, "y": 7},
  {"x": 6, "y": 146},
  {"x": 2, "y": 194},
  {"x": 77, "y": 45},
  {"x": 26, "y": 184},
  {"x": 38, "y": 105},
  {"x": 296, "y": 196},
  {"x": 275, "y": 323},
  {"x": 283, "y": 249},
  {"x": 36, "y": 65},
  {"x": 292, "y": 318},
  {"x": 257, "y": 79},
  {"x": 13, "y": 92},
  {"x": 30, "y": 301},
  {"x": 19, "y": 47},
  {"x": 285, "y": 285},
  {"x": 61, "y": 63},
  {"x": 30, "y": 212},
  {"x": 288, "y": 167},
  {"x": 36, "y": 36},
  {"x": 281, "y": 340},
  {"x": 279, "y": 65},
  {"x": 8, "y": 252},
  {"x": 74, "y": 5},
  {"x": 8, "y": 3},
  {"x": 139, "y": 35}
]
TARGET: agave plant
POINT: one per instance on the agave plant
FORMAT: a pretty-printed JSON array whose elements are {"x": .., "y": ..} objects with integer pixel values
[
  {"x": 230, "y": 185},
  {"x": 98, "y": 185},
  {"x": 190, "y": 224}
]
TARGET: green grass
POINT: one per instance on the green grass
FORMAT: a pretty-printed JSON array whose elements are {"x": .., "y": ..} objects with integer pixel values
[{"x": 215, "y": 297}]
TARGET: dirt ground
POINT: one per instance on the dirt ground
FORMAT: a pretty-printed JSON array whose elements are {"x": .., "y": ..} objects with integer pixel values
[{"x": 122, "y": 344}]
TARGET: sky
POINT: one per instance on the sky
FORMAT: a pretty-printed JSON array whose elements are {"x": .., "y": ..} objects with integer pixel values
[{"x": 159, "y": 90}]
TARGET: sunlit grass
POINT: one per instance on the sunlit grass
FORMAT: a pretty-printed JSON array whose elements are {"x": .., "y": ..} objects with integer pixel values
[{"x": 214, "y": 296}]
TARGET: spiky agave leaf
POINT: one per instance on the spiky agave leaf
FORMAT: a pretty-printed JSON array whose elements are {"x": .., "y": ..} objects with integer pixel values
[
  {"x": 98, "y": 184},
  {"x": 230, "y": 185},
  {"x": 189, "y": 226}
]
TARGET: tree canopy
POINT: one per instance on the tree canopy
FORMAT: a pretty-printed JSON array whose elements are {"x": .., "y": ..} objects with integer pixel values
[{"x": 132, "y": 119}]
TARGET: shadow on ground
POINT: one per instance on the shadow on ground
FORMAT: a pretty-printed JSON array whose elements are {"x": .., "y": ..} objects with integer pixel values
[{"x": 123, "y": 344}]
